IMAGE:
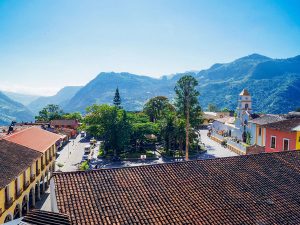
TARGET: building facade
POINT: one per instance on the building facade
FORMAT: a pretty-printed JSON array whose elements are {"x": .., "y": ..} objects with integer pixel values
[
  {"x": 28, "y": 160},
  {"x": 282, "y": 136}
]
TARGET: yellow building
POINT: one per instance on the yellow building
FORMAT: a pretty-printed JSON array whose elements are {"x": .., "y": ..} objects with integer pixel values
[
  {"x": 26, "y": 164},
  {"x": 298, "y": 139}
]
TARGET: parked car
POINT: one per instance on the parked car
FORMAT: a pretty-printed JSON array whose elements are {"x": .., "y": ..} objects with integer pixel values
[
  {"x": 82, "y": 134},
  {"x": 93, "y": 141},
  {"x": 87, "y": 149},
  {"x": 85, "y": 157}
]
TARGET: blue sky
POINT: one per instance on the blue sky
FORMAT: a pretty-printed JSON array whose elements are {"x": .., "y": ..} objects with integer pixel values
[{"x": 45, "y": 45}]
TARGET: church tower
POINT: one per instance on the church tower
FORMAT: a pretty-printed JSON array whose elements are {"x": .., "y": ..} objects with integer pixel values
[{"x": 244, "y": 103}]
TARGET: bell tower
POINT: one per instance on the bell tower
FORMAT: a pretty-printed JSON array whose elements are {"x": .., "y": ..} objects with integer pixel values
[{"x": 244, "y": 103}]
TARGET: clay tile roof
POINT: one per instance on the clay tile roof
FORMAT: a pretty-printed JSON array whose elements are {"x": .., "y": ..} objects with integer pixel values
[
  {"x": 40, "y": 217},
  {"x": 267, "y": 118},
  {"x": 252, "y": 189},
  {"x": 245, "y": 92},
  {"x": 64, "y": 122},
  {"x": 34, "y": 138},
  {"x": 14, "y": 159},
  {"x": 287, "y": 125}
]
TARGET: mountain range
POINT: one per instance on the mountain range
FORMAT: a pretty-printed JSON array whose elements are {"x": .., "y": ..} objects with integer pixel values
[
  {"x": 273, "y": 83},
  {"x": 11, "y": 110},
  {"x": 61, "y": 98}
]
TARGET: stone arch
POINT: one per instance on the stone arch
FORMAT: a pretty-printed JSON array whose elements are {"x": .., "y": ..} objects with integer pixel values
[
  {"x": 8, "y": 218},
  {"x": 37, "y": 190},
  {"x": 31, "y": 198},
  {"x": 25, "y": 205},
  {"x": 17, "y": 212},
  {"x": 42, "y": 184},
  {"x": 46, "y": 179}
]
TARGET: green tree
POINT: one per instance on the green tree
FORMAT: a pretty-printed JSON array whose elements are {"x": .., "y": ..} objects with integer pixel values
[
  {"x": 74, "y": 116},
  {"x": 156, "y": 108},
  {"x": 50, "y": 112},
  {"x": 187, "y": 105},
  {"x": 212, "y": 108},
  {"x": 225, "y": 110},
  {"x": 109, "y": 123},
  {"x": 117, "y": 99}
]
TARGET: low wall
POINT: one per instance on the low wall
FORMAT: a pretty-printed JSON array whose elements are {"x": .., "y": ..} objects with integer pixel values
[{"x": 236, "y": 147}]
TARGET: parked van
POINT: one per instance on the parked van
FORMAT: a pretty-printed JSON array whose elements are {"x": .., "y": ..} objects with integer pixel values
[{"x": 87, "y": 149}]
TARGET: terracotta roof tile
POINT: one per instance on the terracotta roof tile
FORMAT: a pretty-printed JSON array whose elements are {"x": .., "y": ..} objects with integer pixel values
[
  {"x": 252, "y": 189},
  {"x": 64, "y": 122},
  {"x": 34, "y": 138},
  {"x": 40, "y": 217},
  {"x": 14, "y": 159},
  {"x": 287, "y": 125},
  {"x": 245, "y": 92},
  {"x": 267, "y": 118}
]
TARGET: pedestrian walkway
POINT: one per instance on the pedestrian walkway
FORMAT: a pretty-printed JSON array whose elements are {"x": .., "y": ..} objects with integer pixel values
[{"x": 214, "y": 149}]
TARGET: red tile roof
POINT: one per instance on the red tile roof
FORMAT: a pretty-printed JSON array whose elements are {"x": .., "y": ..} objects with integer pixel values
[
  {"x": 34, "y": 138},
  {"x": 252, "y": 189},
  {"x": 64, "y": 122},
  {"x": 245, "y": 92}
]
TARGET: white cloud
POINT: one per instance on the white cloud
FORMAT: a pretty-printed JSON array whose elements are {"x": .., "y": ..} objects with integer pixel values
[{"x": 41, "y": 91}]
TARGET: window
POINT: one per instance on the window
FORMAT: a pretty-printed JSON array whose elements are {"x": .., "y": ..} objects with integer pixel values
[
  {"x": 259, "y": 131},
  {"x": 273, "y": 142},
  {"x": 37, "y": 167},
  {"x": 246, "y": 106},
  {"x": 25, "y": 177},
  {"x": 6, "y": 193},
  {"x": 286, "y": 144}
]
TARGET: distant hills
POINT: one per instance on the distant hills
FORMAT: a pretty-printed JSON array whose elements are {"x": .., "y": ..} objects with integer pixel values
[
  {"x": 11, "y": 110},
  {"x": 273, "y": 83},
  {"x": 60, "y": 98},
  {"x": 25, "y": 99}
]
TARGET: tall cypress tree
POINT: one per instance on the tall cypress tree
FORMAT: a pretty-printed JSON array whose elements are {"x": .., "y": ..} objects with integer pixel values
[{"x": 117, "y": 99}]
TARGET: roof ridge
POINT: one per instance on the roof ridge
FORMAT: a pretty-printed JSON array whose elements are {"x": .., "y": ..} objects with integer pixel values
[{"x": 168, "y": 163}]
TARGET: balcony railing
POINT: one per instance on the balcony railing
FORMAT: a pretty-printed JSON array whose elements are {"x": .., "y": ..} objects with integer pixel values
[
  {"x": 32, "y": 177},
  {"x": 38, "y": 172},
  {"x": 26, "y": 184},
  {"x": 9, "y": 203},
  {"x": 19, "y": 193}
]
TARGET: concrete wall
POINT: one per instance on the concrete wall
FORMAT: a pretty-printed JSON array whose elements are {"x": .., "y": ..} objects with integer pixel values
[{"x": 280, "y": 135}]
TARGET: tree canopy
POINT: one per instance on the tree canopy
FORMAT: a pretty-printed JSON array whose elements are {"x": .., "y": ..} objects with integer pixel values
[
  {"x": 50, "y": 112},
  {"x": 187, "y": 105},
  {"x": 156, "y": 108}
]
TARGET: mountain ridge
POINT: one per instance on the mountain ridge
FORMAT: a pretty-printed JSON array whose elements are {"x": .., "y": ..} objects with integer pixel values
[
  {"x": 11, "y": 110},
  {"x": 60, "y": 98},
  {"x": 220, "y": 84}
]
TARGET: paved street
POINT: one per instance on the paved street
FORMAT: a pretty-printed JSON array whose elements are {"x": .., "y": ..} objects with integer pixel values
[
  {"x": 70, "y": 156},
  {"x": 214, "y": 149}
]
